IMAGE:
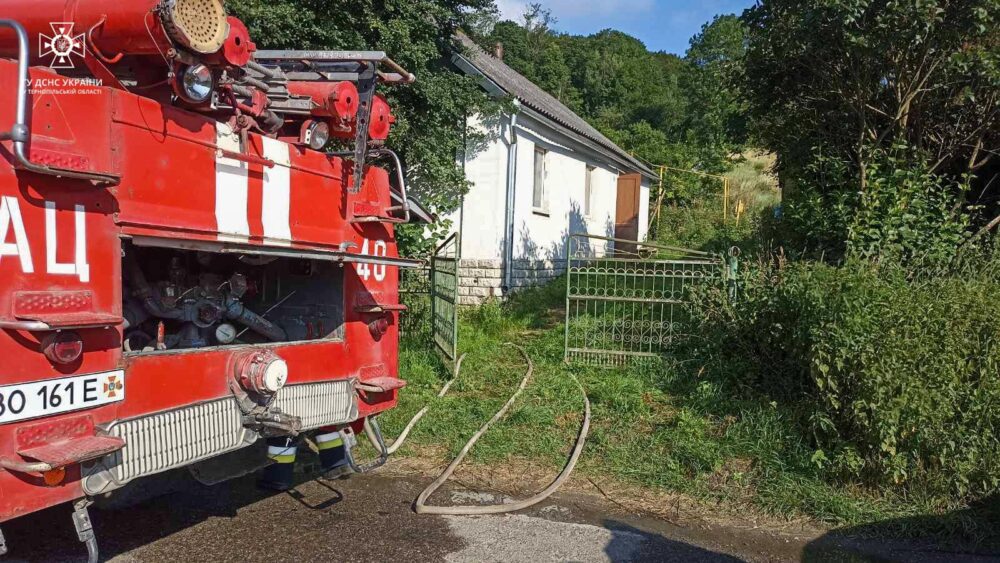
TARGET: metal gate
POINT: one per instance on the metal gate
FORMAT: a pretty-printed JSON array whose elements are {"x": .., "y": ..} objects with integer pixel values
[
  {"x": 444, "y": 296},
  {"x": 625, "y": 301},
  {"x": 415, "y": 325}
]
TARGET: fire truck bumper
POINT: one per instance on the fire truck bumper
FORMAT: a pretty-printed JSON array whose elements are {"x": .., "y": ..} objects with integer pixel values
[{"x": 168, "y": 440}]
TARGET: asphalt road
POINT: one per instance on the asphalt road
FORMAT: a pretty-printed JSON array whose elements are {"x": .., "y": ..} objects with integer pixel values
[
  {"x": 370, "y": 519},
  {"x": 361, "y": 519}
]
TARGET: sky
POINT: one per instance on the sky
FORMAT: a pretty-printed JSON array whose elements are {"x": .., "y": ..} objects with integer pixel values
[{"x": 663, "y": 25}]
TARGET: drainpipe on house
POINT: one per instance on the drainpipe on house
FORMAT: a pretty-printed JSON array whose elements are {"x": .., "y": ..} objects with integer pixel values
[
  {"x": 508, "y": 274},
  {"x": 461, "y": 209}
]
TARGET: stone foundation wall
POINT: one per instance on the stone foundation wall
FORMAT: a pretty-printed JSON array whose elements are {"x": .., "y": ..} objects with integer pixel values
[
  {"x": 480, "y": 280},
  {"x": 533, "y": 273}
]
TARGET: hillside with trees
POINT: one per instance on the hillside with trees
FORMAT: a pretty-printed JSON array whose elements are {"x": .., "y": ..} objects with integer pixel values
[{"x": 682, "y": 112}]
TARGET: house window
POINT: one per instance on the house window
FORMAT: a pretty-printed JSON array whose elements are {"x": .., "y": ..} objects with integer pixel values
[
  {"x": 539, "y": 197},
  {"x": 588, "y": 192}
]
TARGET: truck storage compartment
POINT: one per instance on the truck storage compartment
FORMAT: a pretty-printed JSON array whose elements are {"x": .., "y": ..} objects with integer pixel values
[{"x": 175, "y": 300}]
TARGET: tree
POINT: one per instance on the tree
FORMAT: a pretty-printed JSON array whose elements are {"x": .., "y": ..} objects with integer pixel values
[
  {"x": 537, "y": 53},
  {"x": 716, "y": 118},
  {"x": 660, "y": 107},
  {"x": 431, "y": 114},
  {"x": 842, "y": 88}
]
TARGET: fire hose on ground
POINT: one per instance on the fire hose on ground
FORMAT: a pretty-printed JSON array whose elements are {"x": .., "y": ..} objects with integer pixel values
[{"x": 421, "y": 506}]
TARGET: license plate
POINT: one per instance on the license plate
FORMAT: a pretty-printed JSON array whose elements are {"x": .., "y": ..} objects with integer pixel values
[{"x": 56, "y": 396}]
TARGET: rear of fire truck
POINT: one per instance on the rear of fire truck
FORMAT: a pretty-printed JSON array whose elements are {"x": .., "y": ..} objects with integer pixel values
[{"x": 198, "y": 265}]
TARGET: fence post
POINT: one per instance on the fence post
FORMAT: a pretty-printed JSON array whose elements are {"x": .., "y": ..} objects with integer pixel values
[
  {"x": 569, "y": 293},
  {"x": 433, "y": 290},
  {"x": 733, "y": 273}
]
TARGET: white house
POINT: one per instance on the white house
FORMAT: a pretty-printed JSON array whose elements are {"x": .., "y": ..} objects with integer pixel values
[{"x": 543, "y": 173}]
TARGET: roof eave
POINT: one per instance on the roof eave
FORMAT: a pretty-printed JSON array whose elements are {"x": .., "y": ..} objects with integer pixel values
[
  {"x": 620, "y": 158},
  {"x": 616, "y": 158},
  {"x": 468, "y": 67}
]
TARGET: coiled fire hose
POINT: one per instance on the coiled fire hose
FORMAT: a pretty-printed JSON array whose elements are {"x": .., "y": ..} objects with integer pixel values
[{"x": 421, "y": 506}]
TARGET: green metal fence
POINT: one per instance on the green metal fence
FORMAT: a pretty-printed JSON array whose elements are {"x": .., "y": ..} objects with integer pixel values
[
  {"x": 625, "y": 302},
  {"x": 415, "y": 324},
  {"x": 444, "y": 296}
]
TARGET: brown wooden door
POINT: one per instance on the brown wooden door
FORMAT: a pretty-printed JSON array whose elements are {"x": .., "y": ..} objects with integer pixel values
[{"x": 627, "y": 213}]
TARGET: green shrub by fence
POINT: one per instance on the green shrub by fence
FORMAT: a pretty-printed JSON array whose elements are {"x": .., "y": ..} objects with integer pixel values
[{"x": 897, "y": 382}]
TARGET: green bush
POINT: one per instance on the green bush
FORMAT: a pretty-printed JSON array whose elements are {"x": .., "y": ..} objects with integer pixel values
[
  {"x": 909, "y": 214},
  {"x": 903, "y": 213},
  {"x": 697, "y": 224},
  {"x": 897, "y": 382}
]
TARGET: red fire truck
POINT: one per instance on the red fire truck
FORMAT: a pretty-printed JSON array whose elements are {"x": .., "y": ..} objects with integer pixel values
[{"x": 197, "y": 249}]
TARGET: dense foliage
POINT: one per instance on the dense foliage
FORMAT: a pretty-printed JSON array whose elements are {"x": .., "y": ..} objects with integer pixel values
[
  {"x": 847, "y": 92},
  {"x": 431, "y": 114},
  {"x": 894, "y": 381},
  {"x": 867, "y": 305}
]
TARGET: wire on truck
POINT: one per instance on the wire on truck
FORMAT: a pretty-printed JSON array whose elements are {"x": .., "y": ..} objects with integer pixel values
[{"x": 421, "y": 506}]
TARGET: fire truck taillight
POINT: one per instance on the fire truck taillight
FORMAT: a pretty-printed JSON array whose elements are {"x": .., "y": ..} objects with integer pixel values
[
  {"x": 55, "y": 477},
  {"x": 62, "y": 348},
  {"x": 263, "y": 372}
]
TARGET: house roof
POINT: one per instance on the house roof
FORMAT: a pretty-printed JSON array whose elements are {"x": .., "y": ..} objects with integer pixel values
[{"x": 512, "y": 83}]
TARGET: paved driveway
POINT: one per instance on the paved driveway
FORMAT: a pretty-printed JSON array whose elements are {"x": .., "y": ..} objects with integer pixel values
[{"x": 361, "y": 519}]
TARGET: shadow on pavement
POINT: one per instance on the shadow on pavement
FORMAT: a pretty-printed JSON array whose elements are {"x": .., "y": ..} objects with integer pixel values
[
  {"x": 630, "y": 544},
  {"x": 172, "y": 503},
  {"x": 971, "y": 535}
]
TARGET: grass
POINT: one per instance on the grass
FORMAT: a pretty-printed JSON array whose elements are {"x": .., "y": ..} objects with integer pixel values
[
  {"x": 753, "y": 182},
  {"x": 658, "y": 426}
]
